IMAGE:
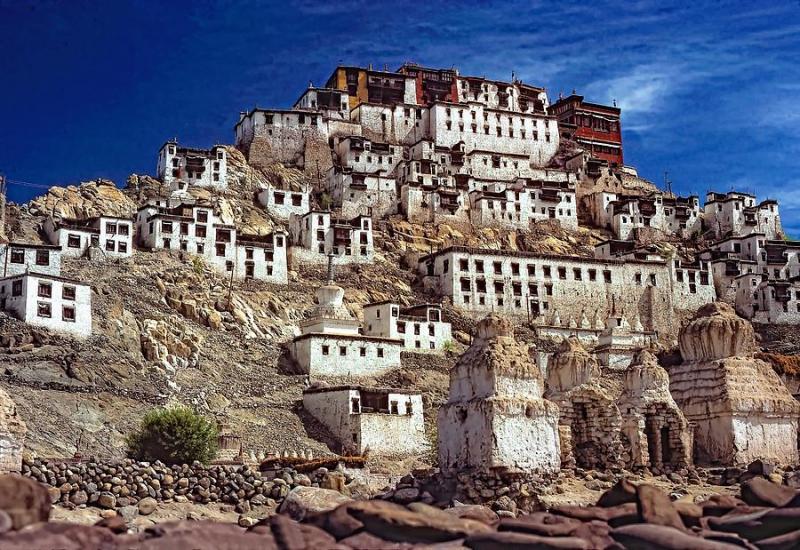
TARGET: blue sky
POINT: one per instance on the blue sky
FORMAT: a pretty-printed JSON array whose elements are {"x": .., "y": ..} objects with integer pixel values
[{"x": 709, "y": 91}]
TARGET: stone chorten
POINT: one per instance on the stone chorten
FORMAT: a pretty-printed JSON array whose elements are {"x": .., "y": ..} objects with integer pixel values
[
  {"x": 495, "y": 415},
  {"x": 655, "y": 432},
  {"x": 590, "y": 422},
  {"x": 741, "y": 409},
  {"x": 12, "y": 435}
]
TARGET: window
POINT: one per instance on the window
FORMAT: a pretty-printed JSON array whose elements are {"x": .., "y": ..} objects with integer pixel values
[
  {"x": 229, "y": 266},
  {"x": 531, "y": 270},
  {"x": 111, "y": 228},
  {"x": 362, "y": 351},
  {"x": 592, "y": 274},
  {"x": 325, "y": 350},
  {"x": 562, "y": 273},
  {"x": 342, "y": 351},
  {"x": 202, "y": 216},
  {"x": 546, "y": 270},
  {"x": 166, "y": 227},
  {"x": 73, "y": 241},
  {"x": 607, "y": 276},
  {"x": 110, "y": 245},
  {"x": 653, "y": 279},
  {"x": 479, "y": 265},
  {"x": 465, "y": 284},
  {"x": 577, "y": 274},
  {"x": 548, "y": 289},
  {"x": 42, "y": 257},
  {"x": 416, "y": 329},
  {"x": 498, "y": 267},
  {"x": 43, "y": 309},
  {"x": 200, "y": 231},
  {"x": 498, "y": 287},
  {"x": 68, "y": 292},
  {"x": 463, "y": 264},
  {"x": 515, "y": 268},
  {"x": 122, "y": 247},
  {"x": 201, "y": 248},
  {"x": 220, "y": 249},
  {"x": 68, "y": 314},
  {"x": 638, "y": 279},
  {"x": 45, "y": 290},
  {"x": 431, "y": 330},
  {"x": 184, "y": 228},
  {"x": 16, "y": 288},
  {"x": 166, "y": 243},
  {"x": 380, "y": 352},
  {"x": 401, "y": 327}
]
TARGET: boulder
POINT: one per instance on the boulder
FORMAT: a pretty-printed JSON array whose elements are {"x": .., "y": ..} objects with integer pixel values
[
  {"x": 623, "y": 491},
  {"x": 498, "y": 540},
  {"x": 660, "y": 537},
  {"x": 304, "y": 501},
  {"x": 24, "y": 500},
  {"x": 655, "y": 507},
  {"x": 761, "y": 492},
  {"x": 147, "y": 506}
]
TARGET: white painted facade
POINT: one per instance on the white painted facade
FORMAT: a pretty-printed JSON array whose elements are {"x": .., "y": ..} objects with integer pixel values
[
  {"x": 317, "y": 234},
  {"x": 48, "y": 301},
  {"x": 333, "y": 103},
  {"x": 110, "y": 235},
  {"x": 330, "y": 342},
  {"x": 16, "y": 258},
  {"x": 738, "y": 214},
  {"x": 385, "y": 422},
  {"x": 282, "y": 203},
  {"x": 420, "y": 327},
  {"x": 203, "y": 167},
  {"x": 195, "y": 229},
  {"x": 361, "y": 193}
]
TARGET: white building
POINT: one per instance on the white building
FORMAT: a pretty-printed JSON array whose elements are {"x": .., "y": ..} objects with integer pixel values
[
  {"x": 317, "y": 234},
  {"x": 534, "y": 286},
  {"x": 331, "y": 344},
  {"x": 16, "y": 258},
  {"x": 361, "y": 193},
  {"x": 204, "y": 167},
  {"x": 48, "y": 301},
  {"x": 738, "y": 214},
  {"x": 523, "y": 202},
  {"x": 193, "y": 228},
  {"x": 282, "y": 203},
  {"x": 383, "y": 421},
  {"x": 420, "y": 327},
  {"x": 331, "y": 102},
  {"x": 110, "y": 235}
]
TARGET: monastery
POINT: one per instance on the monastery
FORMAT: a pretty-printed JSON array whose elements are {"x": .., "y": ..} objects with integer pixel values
[{"x": 431, "y": 146}]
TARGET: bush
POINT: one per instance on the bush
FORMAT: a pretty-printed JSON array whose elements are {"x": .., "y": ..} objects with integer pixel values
[{"x": 176, "y": 435}]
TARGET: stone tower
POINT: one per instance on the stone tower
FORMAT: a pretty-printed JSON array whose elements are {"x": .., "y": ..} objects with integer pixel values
[
  {"x": 741, "y": 409},
  {"x": 495, "y": 415}
]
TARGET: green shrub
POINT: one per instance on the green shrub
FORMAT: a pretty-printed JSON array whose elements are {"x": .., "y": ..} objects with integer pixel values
[{"x": 175, "y": 435}]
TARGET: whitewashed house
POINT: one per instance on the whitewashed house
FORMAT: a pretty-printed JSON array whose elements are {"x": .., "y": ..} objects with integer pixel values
[
  {"x": 736, "y": 213},
  {"x": 48, "y": 301},
  {"x": 282, "y": 203},
  {"x": 195, "y": 229},
  {"x": 203, "y": 167},
  {"x": 331, "y": 343},
  {"x": 420, "y": 327},
  {"x": 383, "y": 421},
  {"x": 112, "y": 236},
  {"x": 317, "y": 234},
  {"x": 16, "y": 258}
]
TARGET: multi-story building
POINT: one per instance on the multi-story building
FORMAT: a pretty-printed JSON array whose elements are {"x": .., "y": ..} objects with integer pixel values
[
  {"x": 518, "y": 205},
  {"x": 524, "y": 285},
  {"x": 371, "y": 86},
  {"x": 204, "y": 167},
  {"x": 195, "y": 229},
  {"x": 624, "y": 214},
  {"x": 17, "y": 258},
  {"x": 332, "y": 103},
  {"x": 420, "y": 327},
  {"x": 331, "y": 344},
  {"x": 383, "y": 421},
  {"x": 318, "y": 233},
  {"x": 111, "y": 235},
  {"x": 432, "y": 84},
  {"x": 49, "y": 301},
  {"x": 736, "y": 213},
  {"x": 597, "y": 128}
]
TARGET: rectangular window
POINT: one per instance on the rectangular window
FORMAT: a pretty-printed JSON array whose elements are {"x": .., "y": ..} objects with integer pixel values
[
  {"x": 166, "y": 227},
  {"x": 73, "y": 241},
  {"x": 562, "y": 273},
  {"x": 342, "y": 351},
  {"x": 43, "y": 309},
  {"x": 184, "y": 228},
  {"x": 380, "y": 352},
  {"x": 201, "y": 248},
  {"x": 362, "y": 352},
  {"x": 122, "y": 247},
  {"x": 546, "y": 270},
  {"x": 325, "y": 350},
  {"x": 110, "y": 245},
  {"x": 16, "y": 288},
  {"x": 498, "y": 267},
  {"x": 531, "y": 270},
  {"x": 45, "y": 290},
  {"x": 592, "y": 274},
  {"x": 220, "y": 249},
  {"x": 68, "y": 292},
  {"x": 68, "y": 314},
  {"x": 577, "y": 273},
  {"x": 111, "y": 228},
  {"x": 200, "y": 231},
  {"x": 42, "y": 257},
  {"x": 463, "y": 265},
  {"x": 607, "y": 276},
  {"x": 123, "y": 229}
]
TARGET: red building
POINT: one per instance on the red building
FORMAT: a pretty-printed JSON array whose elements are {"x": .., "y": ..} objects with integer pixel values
[
  {"x": 595, "y": 127},
  {"x": 432, "y": 84}
]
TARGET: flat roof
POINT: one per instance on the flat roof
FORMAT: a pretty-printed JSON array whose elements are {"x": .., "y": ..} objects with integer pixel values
[
  {"x": 360, "y": 337},
  {"x": 32, "y": 245},
  {"x": 358, "y": 387},
  {"x": 45, "y": 276},
  {"x": 531, "y": 255}
]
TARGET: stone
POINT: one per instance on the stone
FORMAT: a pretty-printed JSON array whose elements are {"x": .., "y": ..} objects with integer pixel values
[
  {"x": 761, "y": 492},
  {"x": 115, "y": 524},
  {"x": 406, "y": 496},
  {"x": 655, "y": 507},
  {"x": 304, "y": 501},
  {"x": 502, "y": 540},
  {"x": 475, "y": 512},
  {"x": 246, "y": 521},
  {"x": 107, "y": 500},
  {"x": 54, "y": 494},
  {"x": 24, "y": 500},
  {"x": 395, "y": 523},
  {"x": 79, "y": 498},
  {"x": 505, "y": 503},
  {"x": 660, "y": 537},
  {"x": 147, "y": 506},
  {"x": 334, "y": 481},
  {"x": 621, "y": 492}
]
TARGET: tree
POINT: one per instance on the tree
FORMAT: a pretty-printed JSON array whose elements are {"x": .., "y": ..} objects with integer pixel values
[{"x": 174, "y": 435}]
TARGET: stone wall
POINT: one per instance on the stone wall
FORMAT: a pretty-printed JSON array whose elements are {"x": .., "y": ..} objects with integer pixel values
[{"x": 125, "y": 483}]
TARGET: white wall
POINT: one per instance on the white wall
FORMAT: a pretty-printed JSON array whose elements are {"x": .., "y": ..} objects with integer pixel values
[
  {"x": 26, "y": 306},
  {"x": 8, "y": 255},
  {"x": 308, "y": 352}
]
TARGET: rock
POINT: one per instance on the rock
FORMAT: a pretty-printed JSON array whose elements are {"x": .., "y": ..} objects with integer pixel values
[
  {"x": 655, "y": 507},
  {"x": 147, "y": 506},
  {"x": 475, "y": 512},
  {"x": 395, "y": 523},
  {"x": 6, "y": 523},
  {"x": 507, "y": 540},
  {"x": 406, "y": 496},
  {"x": 246, "y": 521},
  {"x": 80, "y": 497},
  {"x": 760, "y": 492},
  {"x": 660, "y": 537},
  {"x": 303, "y": 501},
  {"x": 24, "y": 500},
  {"x": 54, "y": 493},
  {"x": 623, "y": 491},
  {"x": 506, "y": 504},
  {"x": 107, "y": 500},
  {"x": 334, "y": 481},
  {"x": 760, "y": 468}
]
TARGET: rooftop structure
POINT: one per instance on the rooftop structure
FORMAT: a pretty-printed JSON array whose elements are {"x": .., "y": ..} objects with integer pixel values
[
  {"x": 594, "y": 126},
  {"x": 204, "y": 167}
]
